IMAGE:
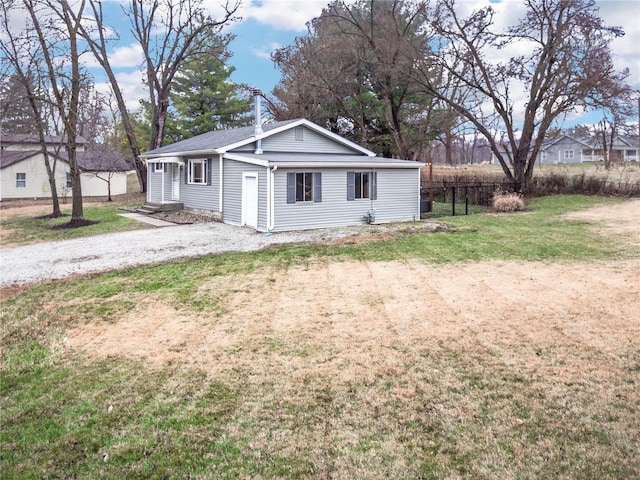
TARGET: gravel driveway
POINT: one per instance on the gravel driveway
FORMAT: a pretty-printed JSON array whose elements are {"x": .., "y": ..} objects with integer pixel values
[{"x": 61, "y": 259}]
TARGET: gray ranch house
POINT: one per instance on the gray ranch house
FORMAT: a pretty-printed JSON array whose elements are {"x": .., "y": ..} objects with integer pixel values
[
  {"x": 280, "y": 176},
  {"x": 568, "y": 149}
]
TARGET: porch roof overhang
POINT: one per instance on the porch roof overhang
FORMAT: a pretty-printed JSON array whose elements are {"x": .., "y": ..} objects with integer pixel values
[{"x": 173, "y": 159}]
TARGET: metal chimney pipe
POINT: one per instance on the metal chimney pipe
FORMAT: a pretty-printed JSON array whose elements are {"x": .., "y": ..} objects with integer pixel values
[{"x": 257, "y": 94}]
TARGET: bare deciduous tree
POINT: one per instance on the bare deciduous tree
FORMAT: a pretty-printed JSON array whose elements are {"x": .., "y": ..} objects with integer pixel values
[
  {"x": 168, "y": 32},
  {"x": 56, "y": 30},
  {"x": 24, "y": 62},
  {"x": 93, "y": 31},
  {"x": 568, "y": 66}
]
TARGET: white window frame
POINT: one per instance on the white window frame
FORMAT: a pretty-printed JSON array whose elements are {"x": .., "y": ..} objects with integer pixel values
[
  {"x": 21, "y": 180},
  {"x": 159, "y": 167},
  {"x": 362, "y": 185},
  {"x": 204, "y": 180},
  {"x": 569, "y": 155}
]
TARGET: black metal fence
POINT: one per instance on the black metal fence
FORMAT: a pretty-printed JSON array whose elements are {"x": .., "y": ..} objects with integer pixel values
[{"x": 459, "y": 199}]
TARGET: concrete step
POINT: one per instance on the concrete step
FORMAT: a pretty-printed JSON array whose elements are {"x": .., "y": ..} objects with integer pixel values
[{"x": 150, "y": 207}]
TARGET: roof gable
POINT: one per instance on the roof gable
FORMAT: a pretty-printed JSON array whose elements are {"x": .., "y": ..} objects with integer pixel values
[
  {"x": 8, "y": 157},
  {"x": 222, "y": 141}
]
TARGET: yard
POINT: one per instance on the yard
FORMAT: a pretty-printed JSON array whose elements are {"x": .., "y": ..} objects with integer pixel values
[{"x": 353, "y": 360}]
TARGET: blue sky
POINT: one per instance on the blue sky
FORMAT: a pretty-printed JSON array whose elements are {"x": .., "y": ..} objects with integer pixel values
[{"x": 269, "y": 24}]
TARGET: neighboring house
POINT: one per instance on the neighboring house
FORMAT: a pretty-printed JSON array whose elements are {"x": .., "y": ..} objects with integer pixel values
[
  {"x": 23, "y": 173},
  {"x": 283, "y": 176},
  {"x": 569, "y": 149}
]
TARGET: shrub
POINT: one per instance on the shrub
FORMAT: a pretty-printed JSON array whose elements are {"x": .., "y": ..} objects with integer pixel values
[{"x": 507, "y": 202}]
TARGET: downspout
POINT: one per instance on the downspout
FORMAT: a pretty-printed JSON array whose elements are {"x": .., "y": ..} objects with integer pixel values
[
  {"x": 221, "y": 174},
  {"x": 268, "y": 197},
  {"x": 271, "y": 210}
]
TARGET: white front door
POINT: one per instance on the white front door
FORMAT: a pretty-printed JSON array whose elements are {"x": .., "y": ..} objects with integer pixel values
[
  {"x": 175, "y": 181},
  {"x": 250, "y": 199}
]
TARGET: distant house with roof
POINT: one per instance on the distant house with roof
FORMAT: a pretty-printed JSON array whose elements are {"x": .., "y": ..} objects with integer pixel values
[
  {"x": 282, "y": 176},
  {"x": 569, "y": 149},
  {"x": 572, "y": 149},
  {"x": 23, "y": 173}
]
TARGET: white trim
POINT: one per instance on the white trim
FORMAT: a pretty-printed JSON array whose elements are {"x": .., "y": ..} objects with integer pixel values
[
  {"x": 245, "y": 205},
  {"x": 205, "y": 171},
  {"x": 221, "y": 187},
  {"x": 240, "y": 158},
  {"x": 159, "y": 159},
  {"x": 365, "y": 163}
]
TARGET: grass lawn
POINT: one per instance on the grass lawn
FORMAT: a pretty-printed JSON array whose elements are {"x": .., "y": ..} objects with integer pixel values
[
  {"x": 33, "y": 228},
  {"x": 505, "y": 347}
]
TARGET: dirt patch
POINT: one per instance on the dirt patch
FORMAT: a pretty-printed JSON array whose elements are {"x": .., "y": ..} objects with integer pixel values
[
  {"x": 622, "y": 219},
  {"x": 358, "y": 310}
]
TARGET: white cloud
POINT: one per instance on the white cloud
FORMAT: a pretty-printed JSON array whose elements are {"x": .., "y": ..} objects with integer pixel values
[
  {"x": 626, "y": 14},
  {"x": 283, "y": 14},
  {"x": 132, "y": 87},
  {"x": 129, "y": 56},
  {"x": 265, "y": 51}
]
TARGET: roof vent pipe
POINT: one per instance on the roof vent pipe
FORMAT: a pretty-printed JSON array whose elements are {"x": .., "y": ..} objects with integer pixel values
[{"x": 257, "y": 94}]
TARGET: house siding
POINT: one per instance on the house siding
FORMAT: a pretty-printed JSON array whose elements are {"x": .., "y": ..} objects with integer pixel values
[
  {"x": 397, "y": 200},
  {"x": 232, "y": 196},
  {"x": 312, "y": 142},
  {"x": 202, "y": 197},
  {"x": 37, "y": 180},
  {"x": 155, "y": 186},
  {"x": 95, "y": 184},
  {"x": 556, "y": 152}
]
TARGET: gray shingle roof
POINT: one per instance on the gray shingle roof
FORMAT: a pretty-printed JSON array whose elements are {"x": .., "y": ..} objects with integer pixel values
[{"x": 215, "y": 139}]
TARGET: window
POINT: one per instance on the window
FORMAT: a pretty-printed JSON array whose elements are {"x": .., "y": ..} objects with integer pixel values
[
  {"x": 304, "y": 187},
  {"x": 69, "y": 183},
  {"x": 198, "y": 172},
  {"x": 362, "y": 185},
  {"x": 21, "y": 180},
  {"x": 568, "y": 154},
  {"x": 159, "y": 167}
]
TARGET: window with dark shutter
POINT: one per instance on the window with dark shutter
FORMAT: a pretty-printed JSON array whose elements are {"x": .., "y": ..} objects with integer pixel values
[
  {"x": 304, "y": 187},
  {"x": 362, "y": 185}
]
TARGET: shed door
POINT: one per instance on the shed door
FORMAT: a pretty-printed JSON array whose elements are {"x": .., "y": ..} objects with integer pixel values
[{"x": 250, "y": 199}]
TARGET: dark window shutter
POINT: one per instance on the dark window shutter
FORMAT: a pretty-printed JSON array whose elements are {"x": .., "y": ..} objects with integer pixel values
[
  {"x": 291, "y": 187},
  {"x": 317, "y": 187},
  {"x": 374, "y": 185},
  {"x": 209, "y": 170},
  {"x": 186, "y": 171},
  {"x": 351, "y": 185}
]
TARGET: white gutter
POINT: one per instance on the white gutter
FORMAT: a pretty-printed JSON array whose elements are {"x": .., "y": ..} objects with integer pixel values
[
  {"x": 190, "y": 154},
  {"x": 253, "y": 161},
  {"x": 171, "y": 159},
  {"x": 346, "y": 165}
]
